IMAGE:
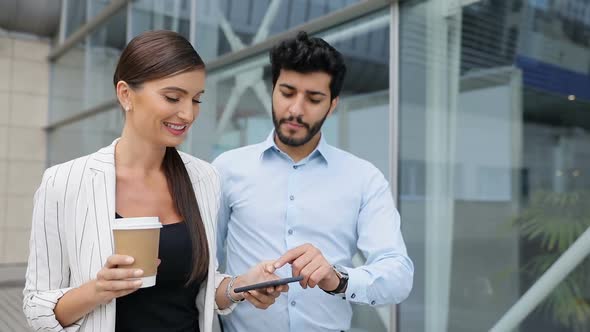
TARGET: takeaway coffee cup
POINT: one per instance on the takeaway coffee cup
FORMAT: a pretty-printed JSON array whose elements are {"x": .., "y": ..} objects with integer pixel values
[{"x": 140, "y": 239}]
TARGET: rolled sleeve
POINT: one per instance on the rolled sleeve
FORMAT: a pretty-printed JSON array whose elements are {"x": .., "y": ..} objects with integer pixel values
[
  {"x": 46, "y": 273},
  {"x": 38, "y": 309}
]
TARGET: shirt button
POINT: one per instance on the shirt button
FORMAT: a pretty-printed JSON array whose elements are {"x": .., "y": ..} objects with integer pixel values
[
  {"x": 290, "y": 232},
  {"x": 373, "y": 302},
  {"x": 293, "y": 303},
  {"x": 292, "y": 197},
  {"x": 353, "y": 296},
  {"x": 295, "y": 166}
]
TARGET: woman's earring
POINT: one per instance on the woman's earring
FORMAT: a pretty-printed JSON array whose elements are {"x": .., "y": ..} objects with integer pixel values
[{"x": 127, "y": 109}]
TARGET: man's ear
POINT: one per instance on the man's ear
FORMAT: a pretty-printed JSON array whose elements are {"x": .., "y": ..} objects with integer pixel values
[
  {"x": 333, "y": 105},
  {"x": 124, "y": 95}
]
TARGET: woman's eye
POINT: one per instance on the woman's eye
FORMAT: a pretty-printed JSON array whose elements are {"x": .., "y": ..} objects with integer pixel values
[
  {"x": 196, "y": 101},
  {"x": 314, "y": 101},
  {"x": 172, "y": 100}
]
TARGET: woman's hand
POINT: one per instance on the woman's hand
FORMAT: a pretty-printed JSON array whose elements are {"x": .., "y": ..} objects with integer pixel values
[
  {"x": 260, "y": 298},
  {"x": 111, "y": 280}
]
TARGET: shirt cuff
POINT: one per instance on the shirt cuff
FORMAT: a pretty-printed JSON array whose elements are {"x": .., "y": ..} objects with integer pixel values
[
  {"x": 356, "y": 291},
  {"x": 218, "y": 279},
  {"x": 227, "y": 310}
]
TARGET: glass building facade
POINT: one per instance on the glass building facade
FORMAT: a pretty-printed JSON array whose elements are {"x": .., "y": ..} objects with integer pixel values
[{"x": 477, "y": 112}]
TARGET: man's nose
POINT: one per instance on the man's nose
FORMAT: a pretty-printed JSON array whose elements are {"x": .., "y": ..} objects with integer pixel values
[{"x": 296, "y": 108}]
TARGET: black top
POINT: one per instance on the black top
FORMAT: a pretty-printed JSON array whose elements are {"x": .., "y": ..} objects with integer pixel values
[{"x": 169, "y": 305}]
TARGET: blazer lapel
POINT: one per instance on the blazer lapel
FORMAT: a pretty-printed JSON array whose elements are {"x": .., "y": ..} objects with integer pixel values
[
  {"x": 206, "y": 298},
  {"x": 203, "y": 202},
  {"x": 101, "y": 189}
]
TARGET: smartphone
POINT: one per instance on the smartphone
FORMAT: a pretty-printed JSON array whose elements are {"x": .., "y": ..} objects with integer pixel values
[{"x": 269, "y": 283}]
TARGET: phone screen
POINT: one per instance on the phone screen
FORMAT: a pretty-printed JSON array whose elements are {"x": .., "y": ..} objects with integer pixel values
[{"x": 269, "y": 283}]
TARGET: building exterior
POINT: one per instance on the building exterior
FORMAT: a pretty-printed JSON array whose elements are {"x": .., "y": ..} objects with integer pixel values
[{"x": 477, "y": 111}]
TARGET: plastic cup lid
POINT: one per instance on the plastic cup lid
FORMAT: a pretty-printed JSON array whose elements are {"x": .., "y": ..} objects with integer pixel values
[{"x": 137, "y": 223}]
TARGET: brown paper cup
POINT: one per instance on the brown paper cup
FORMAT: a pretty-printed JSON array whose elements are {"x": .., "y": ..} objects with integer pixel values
[{"x": 140, "y": 239}]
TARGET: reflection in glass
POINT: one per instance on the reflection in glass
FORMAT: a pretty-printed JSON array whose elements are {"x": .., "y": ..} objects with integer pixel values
[
  {"x": 67, "y": 85},
  {"x": 85, "y": 136},
  {"x": 494, "y": 130},
  {"x": 103, "y": 48},
  {"x": 161, "y": 15},
  {"x": 79, "y": 12},
  {"x": 226, "y": 26},
  {"x": 76, "y": 16}
]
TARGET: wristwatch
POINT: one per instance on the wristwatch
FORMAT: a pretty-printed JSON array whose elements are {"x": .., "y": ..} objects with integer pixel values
[{"x": 343, "y": 276}]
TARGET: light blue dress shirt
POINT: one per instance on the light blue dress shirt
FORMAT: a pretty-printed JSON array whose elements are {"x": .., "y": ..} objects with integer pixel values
[{"x": 331, "y": 199}]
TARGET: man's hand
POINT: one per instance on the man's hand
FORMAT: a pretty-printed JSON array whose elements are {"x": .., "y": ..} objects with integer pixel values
[
  {"x": 308, "y": 261},
  {"x": 260, "y": 298}
]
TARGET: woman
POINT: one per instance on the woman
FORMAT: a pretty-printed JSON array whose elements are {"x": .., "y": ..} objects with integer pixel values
[{"x": 72, "y": 276}]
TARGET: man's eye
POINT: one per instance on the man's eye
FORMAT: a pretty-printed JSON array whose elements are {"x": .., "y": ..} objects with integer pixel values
[
  {"x": 172, "y": 100},
  {"x": 315, "y": 101},
  {"x": 286, "y": 94},
  {"x": 196, "y": 101}
]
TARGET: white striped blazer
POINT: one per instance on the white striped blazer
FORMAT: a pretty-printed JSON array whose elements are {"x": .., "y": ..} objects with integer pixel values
[{"x": 71, "y": 238}]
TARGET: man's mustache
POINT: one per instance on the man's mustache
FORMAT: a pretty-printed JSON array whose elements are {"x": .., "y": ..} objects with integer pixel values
[{"x": 296, "y": 119}]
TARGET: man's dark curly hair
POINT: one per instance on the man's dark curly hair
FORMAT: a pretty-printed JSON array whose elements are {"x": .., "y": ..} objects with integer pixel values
[{"x": 305, "y": 55}]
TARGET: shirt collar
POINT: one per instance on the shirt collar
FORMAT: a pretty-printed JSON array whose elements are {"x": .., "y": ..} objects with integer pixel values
[{"x": 322, "y": 150}]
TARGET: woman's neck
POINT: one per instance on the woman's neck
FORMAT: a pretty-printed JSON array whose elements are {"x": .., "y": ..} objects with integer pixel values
[{"x": 134, "y": 153}]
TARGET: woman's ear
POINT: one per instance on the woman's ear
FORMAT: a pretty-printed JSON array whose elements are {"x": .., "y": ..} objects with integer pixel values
[{"x": 124, "y": 95}]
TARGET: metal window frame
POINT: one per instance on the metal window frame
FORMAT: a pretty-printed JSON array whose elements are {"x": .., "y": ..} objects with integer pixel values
[
  {"x": 314, "y": 26},
  {"x": 113, "y": 8},
  {"x": 323, "y": 23},
  {"x": 63, "y": 24},
  {"x": 129, "y": 22},
  {"x": 394, "y": 157},
  {"x": 193, "y": 22},
  {"x": 549, "y": 280}
]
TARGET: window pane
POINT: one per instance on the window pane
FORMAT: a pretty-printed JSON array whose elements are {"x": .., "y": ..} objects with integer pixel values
[
  {"x": 494, "y": 169},
  {"x": 161, "y": 15},
  {"x": 225, "y": 26},
  {"x": 67, "y": 85},
  {"x": 103, "y": 48},
  {"x": 85, "y": 136}
]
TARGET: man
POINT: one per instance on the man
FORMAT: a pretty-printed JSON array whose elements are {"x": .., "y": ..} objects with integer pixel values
[{"x": 311, "y": 205}]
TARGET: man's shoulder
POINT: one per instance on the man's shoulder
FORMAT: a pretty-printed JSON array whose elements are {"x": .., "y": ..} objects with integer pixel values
[
  {"x": 349, "y": 161},
  {"x": 241, "y": 155}
]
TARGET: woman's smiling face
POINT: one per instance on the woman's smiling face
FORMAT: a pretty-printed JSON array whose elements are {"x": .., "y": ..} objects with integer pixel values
[{"x": 162, "y": 111}]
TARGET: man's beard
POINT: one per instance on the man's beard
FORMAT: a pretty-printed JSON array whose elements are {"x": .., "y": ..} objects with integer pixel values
[{"x": 295, "y": 142}]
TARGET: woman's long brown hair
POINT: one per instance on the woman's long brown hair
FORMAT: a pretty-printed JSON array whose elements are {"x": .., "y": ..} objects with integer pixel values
[{"x": 154, "y": 55}]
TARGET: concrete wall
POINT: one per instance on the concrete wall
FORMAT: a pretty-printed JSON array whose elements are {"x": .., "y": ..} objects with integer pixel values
[{"x": 24, "y": 81}]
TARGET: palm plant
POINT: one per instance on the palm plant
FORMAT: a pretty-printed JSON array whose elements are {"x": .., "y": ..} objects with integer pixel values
[{"x": 553, "y": 221}]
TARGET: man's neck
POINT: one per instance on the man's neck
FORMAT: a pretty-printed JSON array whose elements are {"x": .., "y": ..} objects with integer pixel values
[{"x": 297, "y": 153}]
